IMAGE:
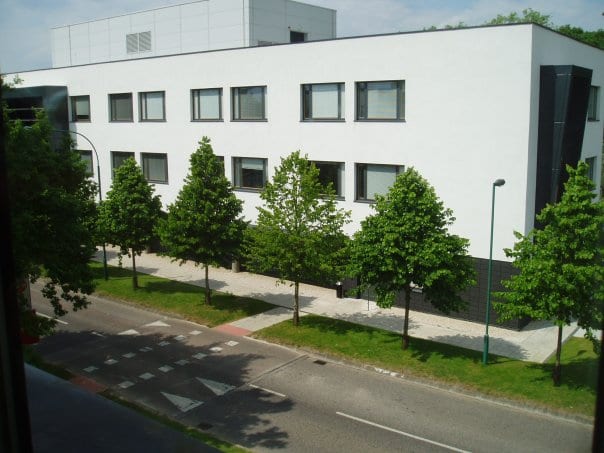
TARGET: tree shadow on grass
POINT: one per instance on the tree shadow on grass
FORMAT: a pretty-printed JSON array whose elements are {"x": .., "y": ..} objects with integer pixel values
[
  {"x": 235, "y": 411},
  {"x": 578, "y": 373}
]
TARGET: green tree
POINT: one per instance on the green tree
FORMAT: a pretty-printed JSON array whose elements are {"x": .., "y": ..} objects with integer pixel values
[
  {"x": 128, "y": 216},
  {"x": 406, "y": 244},
  {"x": 594, "y": 38},
  {"x": 529, "y": 15},
  {"x": 299, "y": 229},
  {"x": 204, "y": 224},
  {"x": 561, "y": 273},
  {"x": 52, "y": 206}
]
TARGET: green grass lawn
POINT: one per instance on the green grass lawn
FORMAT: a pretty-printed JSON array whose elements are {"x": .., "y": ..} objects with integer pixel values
[
  {"x": 527, "y": 382},
  {"x": 175, "y": 297}
]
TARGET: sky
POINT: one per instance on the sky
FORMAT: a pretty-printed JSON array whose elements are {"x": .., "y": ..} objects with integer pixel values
[{"x": 25, "y": 24}]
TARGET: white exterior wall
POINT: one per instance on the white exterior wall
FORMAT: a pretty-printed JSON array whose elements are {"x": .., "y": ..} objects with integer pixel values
[
  {"x": 190, "y": 27},
  {"x": 471, "y": 114}
]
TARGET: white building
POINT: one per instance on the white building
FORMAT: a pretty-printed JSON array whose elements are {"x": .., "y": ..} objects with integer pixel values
[{"x": 464, "y": 107}]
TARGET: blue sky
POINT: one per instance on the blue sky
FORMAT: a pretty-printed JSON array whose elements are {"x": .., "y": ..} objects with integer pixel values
[{"x": 25, "y": 24}]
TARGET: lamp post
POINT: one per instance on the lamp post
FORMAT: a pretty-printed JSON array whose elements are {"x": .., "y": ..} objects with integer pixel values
[
  {"x": 98, "y": 174},
  {"x": 485, "y": 352}
]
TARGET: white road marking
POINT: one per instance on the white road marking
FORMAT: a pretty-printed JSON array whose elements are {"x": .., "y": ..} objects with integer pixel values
[
  {"x": 157, "y": 324},
  {"x": 129, "y": 332},
  {"x": 267, "y": 390},
  {"x": 232, "y": 343},
  {"x": 165, "y": 368},
  {"x": 180, "y": 338},
  {"x": 129, "y": 355},
  {"x": 94, "y": 332},
  {"x": 402, "y": 433},
  {"x": 51, "y": 317},
  {"x": 110, "y": 362},
  {"x": 194, "y": 332},
  {"x": 216, "y": 349},
  {"x": 90, "y": 369},
  {"x": 183, "y": 403},
  {"x": 163, "y": 343},
  {"x": 147, "y": 376},
  {"x": 146, "y": 349},
  {"x": 126, "y": 384},
  {"x": 182, "y": 362},
  {"x": 217, "y": 387},
  {"x": 200, "y": 355}
]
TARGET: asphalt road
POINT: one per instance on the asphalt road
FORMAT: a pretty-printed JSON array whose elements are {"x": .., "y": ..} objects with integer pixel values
[{"x": 267, "y": 397}]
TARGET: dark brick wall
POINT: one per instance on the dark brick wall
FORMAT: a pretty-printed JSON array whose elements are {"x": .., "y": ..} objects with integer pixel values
[{"x": 476, "y": 296}]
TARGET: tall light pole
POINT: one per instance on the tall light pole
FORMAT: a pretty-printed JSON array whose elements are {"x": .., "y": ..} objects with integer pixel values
[
  {"x": 98, "y": 174},
  {"x": 485, "y": 352}
]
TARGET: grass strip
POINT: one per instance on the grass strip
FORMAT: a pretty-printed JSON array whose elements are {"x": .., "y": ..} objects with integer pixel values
[
  {"x": 175, "y": 297},
  {"x": 164, "y": 420},
  {"x": 525, "y": 382}
]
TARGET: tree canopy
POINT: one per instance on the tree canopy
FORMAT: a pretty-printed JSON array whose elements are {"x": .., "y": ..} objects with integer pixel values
[
  {"x": 406, "y": 244},
  {"x": 298, "y": 234},
  {"x": 128, "y": 216},
  {"x": 561, "y": 268},
  {"x": 204, "y": 223},
  {"x": 52, "y": 208}
]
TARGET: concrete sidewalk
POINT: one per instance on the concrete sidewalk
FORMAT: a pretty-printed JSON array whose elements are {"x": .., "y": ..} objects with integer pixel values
[{"x": 535, "y": 343}]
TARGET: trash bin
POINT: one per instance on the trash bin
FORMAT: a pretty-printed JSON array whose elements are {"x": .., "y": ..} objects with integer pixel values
[{"x": 339, "y": 290}]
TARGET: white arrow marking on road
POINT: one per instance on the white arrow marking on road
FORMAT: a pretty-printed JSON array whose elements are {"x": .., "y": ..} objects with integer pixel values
[
  {"x": 129, "y": 332},
  {"x": 181, "y": 402},
  {"x": 157, "y": 324},
  {"x": 217, "y": 387}
]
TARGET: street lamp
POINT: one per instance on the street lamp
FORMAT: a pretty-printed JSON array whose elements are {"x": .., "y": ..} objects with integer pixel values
[
  {"x": 98, "y": 174},
  {"x": 485, "y": 352}
]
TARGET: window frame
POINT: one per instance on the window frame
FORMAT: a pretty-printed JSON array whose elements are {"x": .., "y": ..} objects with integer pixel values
[
  {"x": 112, "y": 116},
  {"x": 361, "y": 96},
  {"x": 306, "y": 103},
  {"x": 193, "y": 113},
  {"x": 142, "y": 107},
  {"x": 357, "y": 173},
  {"x": 114, "y": 154},
  {"x": 593, "y": 102},
  {"x": 146, "y": 171},
  {"x": 74, "y": 115},
  {"x": 237, "y": 165},
  {"x": 339, "y": 186},
  {"x": 235, "y": 95},
  {"x": 592, "y": 166},
  {"x": 89, "y": 169}
]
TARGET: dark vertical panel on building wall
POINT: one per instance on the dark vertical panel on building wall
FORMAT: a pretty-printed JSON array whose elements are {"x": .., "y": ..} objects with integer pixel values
[
  {"x": 53, "y": 99},
  {"x": 563, "y": 98}
]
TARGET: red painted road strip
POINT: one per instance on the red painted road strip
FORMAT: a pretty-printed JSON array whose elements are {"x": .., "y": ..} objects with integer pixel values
[{"x": 233, "y": 330}]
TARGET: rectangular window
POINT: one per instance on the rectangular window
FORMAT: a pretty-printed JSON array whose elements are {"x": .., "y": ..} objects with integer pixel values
[
  {"x": 152, "y": 106},
  {"x": 297, "y": 36},
  {"x": 323, "y": 101},
  {"x": 591, "y": 168},
  {"x": 249, "y": 173},
  {"x": 249, "y": 103},
  {"x": 120, "y": 107},
  {"x": 206, "y": 104},
  {"x": 375, "y": 179},
  {"x": 155, "y": 167},
  {"x": 118, "y": 158},
  {"x": 381, "y": 100},
  {"x": 87, "y": 159},
  {"x": 332, "y": 173},
  {"x": 592, "y": 106},
  {"x": 80, "y": 108}
]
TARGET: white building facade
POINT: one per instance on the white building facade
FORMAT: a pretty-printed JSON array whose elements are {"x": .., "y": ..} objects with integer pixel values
[{"x": 464, "y": 107}]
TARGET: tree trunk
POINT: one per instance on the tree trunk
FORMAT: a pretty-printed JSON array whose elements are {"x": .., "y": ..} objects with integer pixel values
[
  {"x": 405, "y": 344},
  {"x": 208, "y": 291},
  {"x": 134, "y": 276},
  {"x": 296, "y": 304},
  {"x": 557, "y": 375}
]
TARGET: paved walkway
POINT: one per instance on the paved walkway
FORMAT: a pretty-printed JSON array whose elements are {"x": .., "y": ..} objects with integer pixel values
[{"x": 535, "y": 343}]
